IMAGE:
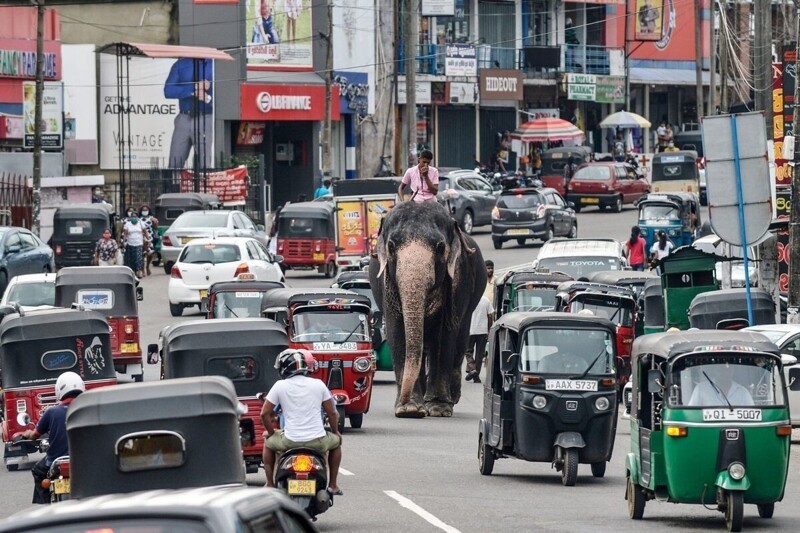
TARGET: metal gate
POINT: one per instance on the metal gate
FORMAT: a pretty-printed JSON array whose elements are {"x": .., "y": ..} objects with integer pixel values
[
  {"x": 493, "y": 123},
  {"x": 456, "y": 137}
]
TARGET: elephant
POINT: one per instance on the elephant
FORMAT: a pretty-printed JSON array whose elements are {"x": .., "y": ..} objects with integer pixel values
[{"x": 427, "y": 278}]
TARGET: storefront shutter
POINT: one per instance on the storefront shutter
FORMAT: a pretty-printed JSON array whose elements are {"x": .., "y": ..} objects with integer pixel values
[
  {"x": 494, "y": 121},
  {"x": 456, "y": 133}
]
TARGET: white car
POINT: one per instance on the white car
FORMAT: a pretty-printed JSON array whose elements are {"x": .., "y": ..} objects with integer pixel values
[
  {"x": 204, "y": 262},
  {"x": 31, "y": 291},
  {"x": 787, "y": 337},
  {"x": 580, "y": 257}
]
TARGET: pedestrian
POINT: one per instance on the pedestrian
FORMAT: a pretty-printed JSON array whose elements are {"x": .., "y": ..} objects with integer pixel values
[
  {"x": 661, "y": 134},
  {"x": 671, "y": 147},
  {"x": 106, "y": 249},
  {"x": 134, "y": 237},
  {"x": 619, "y": 149},
  {"x": 660, "y": 249},
  {"x": 634, "y": 249},
  {"x": 569, "y": 172},
  {"x": 323, "y": 189},
  {"x": 489, "y": 291},
  {"x": 422, "y": 179},
  {"x": 478, "y": 335},
  {"x": 151, "y": 226}
]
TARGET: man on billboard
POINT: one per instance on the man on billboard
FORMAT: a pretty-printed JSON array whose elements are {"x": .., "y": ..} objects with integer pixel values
[
  {"x": 190, "y": 81},
  {"x": 649, "y": 20}
]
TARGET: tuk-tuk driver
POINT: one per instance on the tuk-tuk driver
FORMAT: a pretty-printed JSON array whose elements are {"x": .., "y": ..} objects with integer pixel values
[
  {"x": 718, "y": 388},
  {"x": 422, "y": 179},
  {"x": 54, "y": 424},
  {"x": 301, "y": 398}
]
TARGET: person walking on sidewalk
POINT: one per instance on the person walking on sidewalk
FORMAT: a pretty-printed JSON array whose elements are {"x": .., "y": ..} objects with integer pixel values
[{"x": 478, "y": 335}]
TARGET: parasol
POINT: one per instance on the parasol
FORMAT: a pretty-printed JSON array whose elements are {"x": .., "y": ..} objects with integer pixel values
[
  {"x": 624, "y": 119},
  {"x": 547, "y": 129}
]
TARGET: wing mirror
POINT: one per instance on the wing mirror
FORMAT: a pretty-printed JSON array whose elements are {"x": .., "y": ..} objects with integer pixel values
[
  {"x": 654, "y": 380},
  {"x": 788, "y": 360},
  {"x": 277, "y": 259},
  {"x": 139, "y": 294},
  {"x": 508, "y": 360},
  {"x": 260, "y": 227},
  {"x": 152, "y": 354},
  {"x": 571, "y": 205},
  {"x": 13, "y": 249},
  {"x": 794, "y": 379}
]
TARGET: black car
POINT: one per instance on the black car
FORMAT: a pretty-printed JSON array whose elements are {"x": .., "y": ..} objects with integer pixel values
[
  {"x": 470, "y": 198},
  {"x": 524, "y": 214}
]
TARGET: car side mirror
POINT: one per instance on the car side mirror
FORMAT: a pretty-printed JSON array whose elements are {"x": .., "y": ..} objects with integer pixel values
[
  {"x": 13, "y": 249},
  {"x": 260, "y": 227},
  {"x": 277, "y": 258},
  {"x": 139, "y": 294},
  {"x": 571, "y": 205},
  {"x": 508, "y": 360},
  {"x": 788, "y": 360},
  {"x": 152, "y": 354},
  {"x": 654, "y": 380},
  {"x": 794, "y": 379}
]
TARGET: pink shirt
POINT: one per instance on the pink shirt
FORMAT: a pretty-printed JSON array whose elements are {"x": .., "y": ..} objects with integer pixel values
[{"x": 414, "y": 180}]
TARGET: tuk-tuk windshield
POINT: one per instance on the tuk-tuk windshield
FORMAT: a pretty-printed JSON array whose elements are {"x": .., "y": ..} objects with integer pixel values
[
  {"x": 579, "y": 267},
  {"x": 567, "y": 351},
  {"x": 539, "y": 299},
  {"x": 655, "y": 212},
  {"x": 616, "y": 310},
  {"x": 238, "y": 304},
  {"x": 302, "y": 228},
  {"x": 725, "y": 380},
  {"x": 330, "y": 326}
]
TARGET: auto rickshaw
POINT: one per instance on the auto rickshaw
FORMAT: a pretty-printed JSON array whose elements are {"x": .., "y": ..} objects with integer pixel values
[
  {"x": 114, "y": 292},
  {"x": 335, "y": 325},
  {"x": 76, "y": 230},
  {"x": 550, "y": 392},
  {"x": 358, "y": 282},
  {"x": 527, "y": 290},
  {"x": 685, "y": 273},
  {"x": 628, "y": 279},
  {"x": 240, "y": 349},
  {"x": 709, "y": 423},
  {"x": 172, "y": 434},
  {"x": 240, "y": 298},
  {"x": 677, "y": 214},
  {"x": 651, "y": 307},
  {"x": 555, "y": 159},
  {"x": 727, "y": 309},
  {"x": 675, "y": 172},
  {"x": 35, "y": 348},
  {"x": 171, "y": 205},
  {"x": 306, "y": 237}
]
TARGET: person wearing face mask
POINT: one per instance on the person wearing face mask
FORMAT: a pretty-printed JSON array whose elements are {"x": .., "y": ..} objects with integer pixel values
[
  {"x": 134, "y": 237},
  {"x": 105, "y": 252},
  {"x": 151, "y": 225}
]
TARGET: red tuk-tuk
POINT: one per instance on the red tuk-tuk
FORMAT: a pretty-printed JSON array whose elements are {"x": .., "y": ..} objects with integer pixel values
[
  {"x": 112, "y": 291},
  {"x": 336, "y": 326},
  {"x": 306, "y": 238},
  {"x": 35, "y": 348},
  {"x": 555, "y": 159},
  {"x": 616, "y": 304}
]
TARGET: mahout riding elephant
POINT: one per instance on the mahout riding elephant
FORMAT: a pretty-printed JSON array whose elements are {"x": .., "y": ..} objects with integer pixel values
[{"x": 427, "y": 278}]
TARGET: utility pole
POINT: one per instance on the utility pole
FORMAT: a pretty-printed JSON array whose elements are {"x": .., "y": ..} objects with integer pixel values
[
  {"x": 763, "y": 60},
  {"x": 327, "y": 163},
  {"x": 37, "y": 113},
  {"x": 723, "y": 60},
  {"x": 712, "y": 82},
  {"x": 410, "y": 39},
  {"x": 698, "y": 57},
  {"x": 793, "y": 311}
]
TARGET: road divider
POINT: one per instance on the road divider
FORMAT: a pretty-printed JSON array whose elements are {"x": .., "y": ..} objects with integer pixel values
[{"x": 419, "y": 511}]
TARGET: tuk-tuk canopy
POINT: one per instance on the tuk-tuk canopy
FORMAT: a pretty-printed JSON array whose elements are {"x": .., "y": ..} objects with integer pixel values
[
  {"x": 622, "y": 278},
  {"x": 193, "y": 200},
  {"x": 316, "y": 210},
  {"x": 670, "y": 345},
  {"x": 708, "y": 309},
  {"x": 534, "y": 276},
  {"x": 290, "y": 297},
  {"x": 82, "y": 221},
  {"x": 366, "y": 186},
  {"x": 518, "y": 321},
  {"x": 678, "y": 199},
  {"x": 352, "y": 275},
  {"x": 596, "y": 288},
  {"x": 37, "y": 347},
  {"x": 688, "y": 259},
  {"x": 240, "y": 349},
  {"x": 110, "y": 290},
  {"x": 681, "y": 156},
  {"x": 653, "y": 297},
  {"x": 87, "y": 211}
]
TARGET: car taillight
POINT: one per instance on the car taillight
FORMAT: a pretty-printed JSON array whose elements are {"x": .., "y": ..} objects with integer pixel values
[
  {"x": 58, "y": 249},
  {"x": 241, "y": 269},
  {"x": 175, "y": 273},
  {"x": 280, "y": 247},
  {"x": 129, "y": 329},
  {"x": 166, "y": 241},
  {"x": 318, "y": 248}
]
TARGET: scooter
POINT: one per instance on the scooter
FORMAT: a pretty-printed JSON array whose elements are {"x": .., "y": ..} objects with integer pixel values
[
  {"x": 303, "y": 474},
  {"x": 58, "y": 480}
]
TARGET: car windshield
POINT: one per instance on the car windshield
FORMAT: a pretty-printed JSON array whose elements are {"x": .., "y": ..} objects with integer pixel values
[
  {"x": 579, "y": 267},
  {"x": 519, "y": 201},
  {"x": 199, "y": 219},
  {"x": 32, "y": 294},
  {"x": 238, "y": 304},
  {"x": 659, "y": 212},
  {"x": 615, "y": 310},
  {"x": 330, "y": 326},
  {"x": 725, "y": 380},
  {"x": 157, "y": 524},
  {"x": 592, "y": 173},
  {"x": 567, "y": 351},
  {"x": 210, "y": 253},
  {"x": 540, "y": 299}
]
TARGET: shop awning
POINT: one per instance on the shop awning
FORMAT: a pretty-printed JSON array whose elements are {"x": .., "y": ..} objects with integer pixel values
[
  {"x": 666, "y": 76},
  {"x": 165, "y": 51}
]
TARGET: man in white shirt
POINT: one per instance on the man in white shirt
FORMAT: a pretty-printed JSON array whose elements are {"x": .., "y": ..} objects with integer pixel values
[
  {"x": 708, "y": 394},
  {"x": 478, "y": 335},
  {"x": 301, "y": 398}
]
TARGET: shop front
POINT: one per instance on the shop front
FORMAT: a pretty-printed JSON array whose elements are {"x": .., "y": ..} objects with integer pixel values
[
  {"x": 292, "y": 118},
  {"x": 501, "y": 90},
  {"x": 589, "y": 99}
]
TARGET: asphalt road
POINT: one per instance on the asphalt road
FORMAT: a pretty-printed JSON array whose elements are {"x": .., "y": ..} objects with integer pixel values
[{"x": 422, "y": 475}]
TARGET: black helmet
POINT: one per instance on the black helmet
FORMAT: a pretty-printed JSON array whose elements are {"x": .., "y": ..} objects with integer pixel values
[{"x": 292, "y": 362}]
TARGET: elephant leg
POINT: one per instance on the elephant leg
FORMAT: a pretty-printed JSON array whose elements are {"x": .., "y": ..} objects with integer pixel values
[
  {"x": 395, "y": 334},
  {"x": 461, "y": 342},
  {"x": 438, "y": 401}
]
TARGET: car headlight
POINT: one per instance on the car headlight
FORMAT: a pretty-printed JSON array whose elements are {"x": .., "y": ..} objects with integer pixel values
[
  {"x": 539, "y": 402},
  {"x": 362, "y": 364},
  {"x": 602, "y": 403},
  {"x": 736, "y": 471}
]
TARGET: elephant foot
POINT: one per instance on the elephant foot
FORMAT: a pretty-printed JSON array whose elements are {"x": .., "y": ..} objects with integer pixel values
[
  {"x": 409, "y": 410},
  {"x": 439, "y": 409}
]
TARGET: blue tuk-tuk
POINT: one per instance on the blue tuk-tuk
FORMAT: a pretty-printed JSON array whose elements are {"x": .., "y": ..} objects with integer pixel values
[{"x": 678, "y": 214}]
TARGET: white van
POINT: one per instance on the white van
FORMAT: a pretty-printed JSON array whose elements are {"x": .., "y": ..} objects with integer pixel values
[{"x": 580, "y": 257}]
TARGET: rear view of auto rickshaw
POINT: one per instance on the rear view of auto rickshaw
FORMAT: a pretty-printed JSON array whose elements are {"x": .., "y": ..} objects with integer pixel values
[
  {"x": 76, "y": 230},
  {"x": 242, "y": 350},
  {"x": 170, "y": 206},
  {"x": 172, "y": 434},
  {"x": 651, "y": 307},
  {"x": 240, "y": 298},
  {"x": 336, "y": 326},
  {"x": 306, "y": 237},
  {"x": 685, "y": 273},
  {"x": 709, "y": 423},
  {"x": 527, "y": 290},
  {"x": 36, "y": 348},
  {"x": 675, "y": 172},
  {"x": 627, "y": 279},
  {"x": 727, "y": 309},
  {"x": 677, "y": 214},
  {"x": 113, "y": 292},
  {"x": 550, "y": 393}
]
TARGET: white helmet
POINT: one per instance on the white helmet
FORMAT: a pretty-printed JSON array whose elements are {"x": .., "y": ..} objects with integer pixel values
[{"x": 68, "y": 382}]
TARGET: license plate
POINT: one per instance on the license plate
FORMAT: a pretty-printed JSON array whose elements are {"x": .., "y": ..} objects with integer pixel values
[
  {"x": 319, "y": 257},
  {"x": 61, "y": 486},
  {"x": 203, "y": 294},
  {"x": 736, "y": 415},
  {"x": 523, "y": 231},
  {"x": 300, "y": 487},
  {"x": 184, "y": 240},
  {"x": 590, "y": 200},
  {"x": 333, "y": 347},
  {"x": 130, "y": 347},
  {"x": 570, "y": 385}
]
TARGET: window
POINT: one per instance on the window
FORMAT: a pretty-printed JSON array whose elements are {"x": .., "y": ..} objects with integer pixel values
[
  {"x": 792, "y": 348},
  {"x": 157, "y": 524},
  {"x": 551, "y": 199},
  {"x": 264, "y": 524},
  {"x": 616, "y": 311},
  {"x": 246, "y": 222},
  {"x": 559, "y": 200},
  {"x": 14, "y": 240},
  {"x": 537, "y": 299},
  {"x": 235, "y": 368},
  {"x": 520, "y": 201},
  {"x": 330, "y": 327},
  {"x": 252, "y": 252},
  {"x": 150, "y": 450},
  {"x": 199, "y": 219},
  {"x": 482, "y": 185},
  {"x": 237, "y": 221},
  {"x": 238, "y": 304},
  {"x": 265, "y": 255},
  {"x": 662, "y": 212},
  {"x": 172, "y": 214},
  {"x": 468, "y": 184},
  {"x": 28, "y": 240},
  {"x": 95, "y": 298},
  {"x": 210, "y": 253},
  {"x": 59, "y": 360},
  {"x": 592, "y": 173},
  {"x": 566, "y": 351},
  {"x": 32, "y": 294}
]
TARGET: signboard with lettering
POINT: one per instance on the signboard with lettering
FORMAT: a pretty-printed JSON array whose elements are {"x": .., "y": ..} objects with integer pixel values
[
  {"x": 460, "y": 60},
  {"x": 285, "y": 102},
  {"x": 250, "y": 133},
  {"x": 423, "y": 91},
  {"x": 782, "y": 169},
  {"x": 581, "y": 87},
  {"x": 501, "y": 84},
  {"x": 279, "y": 35},
  {"x": 230, "y": 185},
  {"x": 783, "y": 209},
  {"x": 18, "y": 58},
  {"x": 51, "y": 125},
  {"x": 438, "y": 8},
  {"x": 610, "y": 90},
  {"x": 353, "y": 92}
]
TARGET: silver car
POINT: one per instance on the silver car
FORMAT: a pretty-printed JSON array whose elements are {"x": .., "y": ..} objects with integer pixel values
[
  {"x": 206, "y": 224},
  {"x": 787, "y": 337}
]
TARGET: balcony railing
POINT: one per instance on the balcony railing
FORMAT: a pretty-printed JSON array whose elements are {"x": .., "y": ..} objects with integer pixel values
[{"x": 586, "y": 59}]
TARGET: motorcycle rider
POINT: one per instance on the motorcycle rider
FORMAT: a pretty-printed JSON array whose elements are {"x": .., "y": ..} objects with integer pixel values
[
  {"x": 300, "y": 398},
  {"x": 54, "y": 424}
]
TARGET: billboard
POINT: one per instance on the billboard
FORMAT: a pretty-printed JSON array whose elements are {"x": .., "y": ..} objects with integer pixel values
[
  {"x": 279, "y": 34},
  {"x": 460, "y": 60},
  {"x": 52, "y": 114},
  {"x": 170, "y": 112},
  {"x": 354, "y": 25},
  {"x": 649, "y": 20}
]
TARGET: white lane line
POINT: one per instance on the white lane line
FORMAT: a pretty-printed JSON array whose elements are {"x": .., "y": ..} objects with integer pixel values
[
  {"x": 344, "y": 472},
  {"x": 413, "y": 507}
]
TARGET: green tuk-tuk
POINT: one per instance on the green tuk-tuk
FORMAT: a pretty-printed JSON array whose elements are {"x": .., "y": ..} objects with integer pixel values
[
  {"x": 651, "y": 307},
  {"x": 527, "y": 290},
  {"x": 709, "y": 423},
  {"x": 685, "y": 273}
]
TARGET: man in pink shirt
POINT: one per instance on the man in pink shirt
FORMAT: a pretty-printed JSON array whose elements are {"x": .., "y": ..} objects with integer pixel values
[{"x": 422, "y": 179}]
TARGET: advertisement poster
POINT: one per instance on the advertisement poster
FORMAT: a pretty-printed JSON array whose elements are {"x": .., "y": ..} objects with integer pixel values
[
  {"x": 279, "y": 34},
  {"x": 789, "y": 79},
  {"x": 783, "y": 209},
  {"x": 353, "y": 63},
  {"x": 250, "y": 133},
  {"x": 170, "y": 112},
  {"x": 52, "y": 113},
  {"x": 460, "y": 60},
  {"x": 229, "y": 185},
  {"x": 376, "y": 210},
  {"x": 610, "y": 90},
  {"x": 464, "y": 93},
  {"x": 649, "y": 20},
  {"x": 783, "y": 172},
  {"x": 350, "y": 228}
]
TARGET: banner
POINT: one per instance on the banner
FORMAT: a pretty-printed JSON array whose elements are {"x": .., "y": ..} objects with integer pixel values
[
  {"x": 782, "y": 169},
  {"x": 350, "y": 228},
  {"x": 610, "y": 90},
  {"x": 789, "y": 78},
  {"x": 376, "y": 211},
  {"x": 783, "y": 209},
  {"x": 52, "y": 114},
  {"x": 438, "y": 8},
  {"x": 649, "y": 20},
  {"x": 229, "y": 185},
  {"x": 279, "y": 34},
  {"x": 460, "y": 60}
]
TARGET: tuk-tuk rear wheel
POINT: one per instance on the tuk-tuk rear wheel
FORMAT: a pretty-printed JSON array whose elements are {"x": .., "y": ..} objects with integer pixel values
[
  {"x": 734, "y": 512},
  {"x": 340, "y": 412},
  {"x": 599, "y": 469},
  {"x": 12, "y": 467},
  {"x": 356, "y": 421},
  {"x": 485, "y": 457},
  {"x": 636, "y": 500},
  {"x": 766, "y": 510}
]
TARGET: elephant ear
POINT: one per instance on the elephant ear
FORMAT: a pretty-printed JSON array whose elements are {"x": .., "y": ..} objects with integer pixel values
[
  {"x": 458, "y": 245},
  {"x": 381, "y": 253}
]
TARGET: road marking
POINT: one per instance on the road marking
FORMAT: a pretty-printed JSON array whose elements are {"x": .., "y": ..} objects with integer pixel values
[
  {"x": 344, "y": 472},
  {"x": 413, "y": 507}
]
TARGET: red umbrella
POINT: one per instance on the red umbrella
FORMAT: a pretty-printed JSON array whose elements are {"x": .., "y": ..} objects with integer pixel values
[{"x": 547, "y": 129}]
